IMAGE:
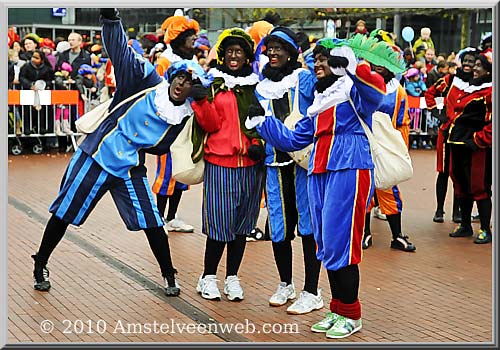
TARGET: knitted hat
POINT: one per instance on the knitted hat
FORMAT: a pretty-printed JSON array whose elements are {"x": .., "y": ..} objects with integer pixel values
[
  {"x": 234, "y": 33},
  {"x": 62, "y": 46},
  {"x": 150, "y": 37},
  {"x": 202, "y": 42},
  {"x": 412, "y": 72},
  {"x": 46, "y": 42},
  {"x": 67, "y": 67},
  {"x": 360, "y": 22},
  {"x": 85, "y": 69},
  {"x": 175, "y": 25}
]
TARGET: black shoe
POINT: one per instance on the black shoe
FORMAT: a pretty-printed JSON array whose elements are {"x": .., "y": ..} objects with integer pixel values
[
  {"x": 462, "y": 231},
  {"x": 172, "y": 288},
  {"x": 457, "y": 218},
  {"x": 438, "y": 216},
  {"x": 40, "y": 276},
  {"x": 367, "y": 241},
  {"x": 483, "y": 237},
  {"x": 402, "y": 243}
]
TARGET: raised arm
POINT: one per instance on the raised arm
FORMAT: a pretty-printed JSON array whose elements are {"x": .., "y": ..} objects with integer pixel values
[{"x": 129, "y": 67}]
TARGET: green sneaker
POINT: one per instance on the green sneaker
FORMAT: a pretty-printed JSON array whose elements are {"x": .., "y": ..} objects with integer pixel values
[
  {"x": 483, "y": 237},
  {"x": 343, "y": 327},
  {"x": 326, "y": 323}
]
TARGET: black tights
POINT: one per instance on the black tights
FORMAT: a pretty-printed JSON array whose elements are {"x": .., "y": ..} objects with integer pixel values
[
  {"x": 213, "y": 254},
  {"x": 283, "y": 257},
  {"x": 56, "y": 228},
  {"x": 174, "y": 199},
  {"x": 344, "y": 283},
  {"x": 441, "y": 189},
  {"x": 484, "y": 209}
]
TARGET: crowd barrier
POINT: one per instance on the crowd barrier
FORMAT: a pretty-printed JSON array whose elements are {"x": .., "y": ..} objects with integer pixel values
[{"x": 32, "y": 117}]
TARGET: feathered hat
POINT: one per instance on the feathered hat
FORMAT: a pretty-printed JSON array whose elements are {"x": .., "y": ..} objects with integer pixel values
[
  {"x": 378, "y": 53},
  {"x": 175, "y": 25},
  {"x": 234, "y": 33}
]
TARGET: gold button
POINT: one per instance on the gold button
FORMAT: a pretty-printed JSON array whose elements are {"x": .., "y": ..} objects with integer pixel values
[
  {"x": 120, "y": 153},
  {"x": 146, "y": 123},
  {"x": 129, "y": 141},
  {"x": 136, "y": 134}
]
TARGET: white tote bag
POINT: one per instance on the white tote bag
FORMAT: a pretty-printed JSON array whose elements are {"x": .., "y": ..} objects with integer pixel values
[
  {"x": 389, "y": 152},
  {"x": 184, "y": 170},
  {"x": 301, "y": 157}
]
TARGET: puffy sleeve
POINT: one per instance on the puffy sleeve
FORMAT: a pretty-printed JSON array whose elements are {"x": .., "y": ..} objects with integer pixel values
[
  {"x": 368, "y": 89},
  {"x": 128, "y": 65},
  {"x": 279, "y": 136}
]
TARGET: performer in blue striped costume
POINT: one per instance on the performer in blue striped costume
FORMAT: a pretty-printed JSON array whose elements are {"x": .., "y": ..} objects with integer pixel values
[{"x": 112, "y": 157}]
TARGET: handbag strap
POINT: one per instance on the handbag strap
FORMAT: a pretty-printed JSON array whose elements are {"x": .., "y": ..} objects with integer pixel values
[
  {"x": 130, "y": 98},
  {"x": 368, "y": 132}
]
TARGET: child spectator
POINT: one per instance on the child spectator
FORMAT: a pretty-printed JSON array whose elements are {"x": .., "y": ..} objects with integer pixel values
[
  {"x": 86, "y": 80},
  {"x": 415, "y": 87},
  {"x": 422, "y": 69},
  {"x": 16, "y": 64},
  {"x": 48, "y": 46},
  {"x": 63, "y": 81}
]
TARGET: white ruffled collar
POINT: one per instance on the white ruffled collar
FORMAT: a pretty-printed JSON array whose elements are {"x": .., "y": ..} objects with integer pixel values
[
  {"x": 167, "y": 111},
  {"x": 459, "y": 83},
  {"x": 472, "y": 88},
  {"x": 337, "y": 93},
  {"x": 231, "y": 81},
  {"x": 391, "y": 86},
  {"x": 171, "y": 56},
  {"x": 276, "y": 89}
]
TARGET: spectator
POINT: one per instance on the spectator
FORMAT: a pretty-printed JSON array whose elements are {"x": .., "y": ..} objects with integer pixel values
[
  {"x": 48, "y": 46},
  {"x": 30, "y": 44},
  {"x": 452, "y": 68},
  {"x": 423, "y": 43},
  {"x": 63, "y": 81},
  {"x": 74, "y": 55},
  {"x": 440, "y": 70},
  {"x": 422, "y": 70},
  {"x": 429, "y": 59},
  {"x": 361, "y": 28},
  {"x": 441, "y": 57},
  {"x": 415, "y": 87},
  {"x": 38, "y": 68},
  {"x": 15, "y": 64},
  {"x": 16, "y": 45},
  {"x": 86, "y": 83}
]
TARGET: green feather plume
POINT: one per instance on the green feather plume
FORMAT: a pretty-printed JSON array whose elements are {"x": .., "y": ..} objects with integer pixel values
[
  {"x": 331, "y": 43},
  {"x": 377, "y": 53}
]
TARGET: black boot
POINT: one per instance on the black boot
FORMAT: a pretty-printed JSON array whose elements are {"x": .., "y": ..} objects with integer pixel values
[
  {"x": 457, "y": 215},
  {"x": 172, "y": 288},
  {"x": 40, "y": 275}
]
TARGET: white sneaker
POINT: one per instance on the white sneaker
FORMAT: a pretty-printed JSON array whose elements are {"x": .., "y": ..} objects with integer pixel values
[
  {"x": 282, "y": 294},
  {"x": 378, "y": 214},
  {"x": 177, "y": 225},
  {"x": 306, "y": 302},
  {"x": 207, "y": 287},
  {"x": 232, "y": 288}
]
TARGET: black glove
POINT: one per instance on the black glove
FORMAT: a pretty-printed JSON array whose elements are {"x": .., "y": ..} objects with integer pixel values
[
  {"x": 199, "y": 92},
  {"x": 338, "y": 62},
  {"x": 470, "y": 144},
  {"x": 256, "y": 152},
  {"x": 110, "y": 13},
  {"x": 255, "y": 110},
  {"x": 441, "y": 116}
]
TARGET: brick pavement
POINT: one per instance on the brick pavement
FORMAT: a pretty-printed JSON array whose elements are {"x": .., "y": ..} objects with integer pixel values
[{"x": 442, "y": 293}]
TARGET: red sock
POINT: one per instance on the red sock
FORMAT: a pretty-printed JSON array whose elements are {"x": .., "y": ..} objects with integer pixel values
[
  {"x": 352, "y": 311},
  {"x": 334, "y": 305}
]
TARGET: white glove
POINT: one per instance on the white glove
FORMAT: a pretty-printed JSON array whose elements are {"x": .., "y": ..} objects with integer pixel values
[{"x": 255, "y": 121}]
